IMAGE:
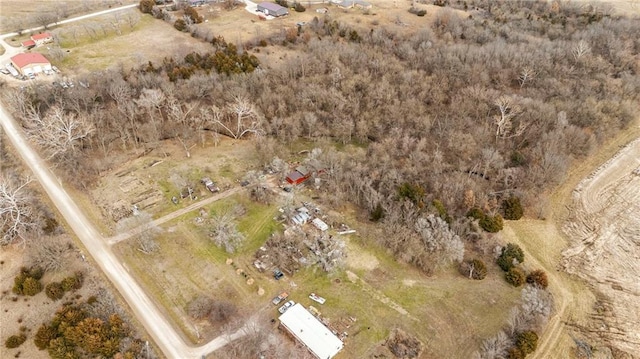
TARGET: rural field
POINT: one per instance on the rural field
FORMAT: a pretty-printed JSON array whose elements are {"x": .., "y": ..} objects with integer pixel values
[
  {"x": 371, "y": 288},
  {"x": 186, "y": 244}
]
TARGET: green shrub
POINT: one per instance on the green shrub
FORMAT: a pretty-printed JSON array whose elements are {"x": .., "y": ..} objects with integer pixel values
[
  {"x": 146, "y": 6},
  {"x": 413, "y": 192},
  {"x": 538, "y": 278},
  {"x": 180, "y": 25},
  {"x": 476, "y": 213},
  {"x": 193, "y": 14},
  {"x": 15, "y": 341},
  {"x": 514, "y": 251},
  {"x": 73, "y": 282},
  {"x": 43, "y": 336},
  {"x": 515, "y": 353},
  {"x": 54, "y": 291},
  {"x": 18, "y": 282},
  {"x": 505, "y": 263},
  {"x": 31, "y": 287},
  {"x": 377, "y": 214},
  {"x": 518, "y": 159},
  {"x": 36, "y": 272},
  {"x": 474, "y": 269},
  {"x": 299, "y": 7},
  {"x": 492, "y": 224},
  {"x": 512, "y": 208},
  {"x": 515, "y": 276},
  {"x": 527, "y": 342}
]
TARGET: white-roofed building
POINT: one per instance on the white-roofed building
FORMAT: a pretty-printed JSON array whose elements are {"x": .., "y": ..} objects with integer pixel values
[
  {"x": 309, "y": 331},
  {"x": 318, "y": 223}
]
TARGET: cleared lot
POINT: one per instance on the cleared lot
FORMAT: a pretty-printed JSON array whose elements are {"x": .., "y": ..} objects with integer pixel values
[{"x": 605, "y": 245}]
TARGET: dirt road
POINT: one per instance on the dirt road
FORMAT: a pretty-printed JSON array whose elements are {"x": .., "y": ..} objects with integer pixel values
[
  {"x": 175, "y": 214},
  {"x": 147, "y": 313}
]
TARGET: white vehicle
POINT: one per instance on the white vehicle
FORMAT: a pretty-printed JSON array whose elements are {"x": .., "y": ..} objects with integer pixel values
[
  {"x": 286, "y": 306},
  {"x": 317, "y": 298}
]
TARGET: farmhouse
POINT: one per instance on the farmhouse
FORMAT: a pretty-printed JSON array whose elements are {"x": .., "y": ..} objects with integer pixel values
[
  {"x": 31, "y": 63},
  {"x": 43, "y": 38},
  {"x": 309, "y": 331},
  {"x": 272, "y": 9}
]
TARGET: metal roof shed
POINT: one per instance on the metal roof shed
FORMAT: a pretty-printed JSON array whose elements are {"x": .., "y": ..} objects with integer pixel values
[
  {"x": 307, "y": 329},
  {"x": 272, "y": 9}
]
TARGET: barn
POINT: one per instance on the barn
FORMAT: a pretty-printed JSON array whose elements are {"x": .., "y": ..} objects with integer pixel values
[
  {"x": 298, "y": 176},
  {"x": 31, "y": 63},
  {"x": 272, "y": 9},
  {"x": 309, "y": 331}
]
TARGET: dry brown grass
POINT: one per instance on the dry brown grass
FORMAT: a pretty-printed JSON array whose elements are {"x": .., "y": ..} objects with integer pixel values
[{"x": 15, "y": 14}]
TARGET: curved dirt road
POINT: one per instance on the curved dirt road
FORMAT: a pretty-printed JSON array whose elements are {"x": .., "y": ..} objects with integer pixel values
[{"x": 147, "y": 313}]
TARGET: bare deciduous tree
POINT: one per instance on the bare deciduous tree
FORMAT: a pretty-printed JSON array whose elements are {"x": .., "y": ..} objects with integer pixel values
[
  {"x": 59, "y": 133},
  {"x": 527, "y": 74},
  {"x": 439, "y": 239},
  {"x": 16, "y": 211},
  {"x": 50, "y": 253},
  {"x": 224, "y": 232},
  {"x": 327, "y": 251},
  {"x": 580, "y": 50},
  {"x": 238, "y": 119},
  {"x": 144, "y": 231},
  {"x": 200, "y": 307},
  {"x": 504, "y": 121},
  {"x": 495, "y": 347}
]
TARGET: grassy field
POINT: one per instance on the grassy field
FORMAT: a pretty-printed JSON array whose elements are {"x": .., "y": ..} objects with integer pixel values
[{"x": 14, "y": 15}]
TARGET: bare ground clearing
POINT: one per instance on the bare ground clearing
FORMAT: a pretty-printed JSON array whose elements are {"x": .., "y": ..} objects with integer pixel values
[
  {"x": 604, "y": 246},
  {"x": 580, "y": 313}
]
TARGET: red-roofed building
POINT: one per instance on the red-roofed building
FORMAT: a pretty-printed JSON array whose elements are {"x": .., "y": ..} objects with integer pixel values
[
  {"x": 43, "y": 38},
  {"x": 31, "y": 63},
  {"x": 29, "y": 44}
]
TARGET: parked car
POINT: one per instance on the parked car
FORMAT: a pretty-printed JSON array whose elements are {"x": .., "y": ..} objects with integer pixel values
[
  {"x": 277, "y": 274},
  {"x": 286, "y": 306},
  {"x": 282, "y": 296},
  {"x": 211, "y": 186},
  {"x": 317, "y": 298}
]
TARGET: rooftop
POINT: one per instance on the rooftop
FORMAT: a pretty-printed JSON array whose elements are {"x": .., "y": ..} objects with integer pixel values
[
  {"x": 22, "y": 60},
  {"x": 44, "y": 35},
  {"x": 271, "y": 6},
  {"x": 311, "y": 332}
]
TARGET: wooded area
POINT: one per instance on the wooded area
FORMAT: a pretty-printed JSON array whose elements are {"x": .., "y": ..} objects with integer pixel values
[{"x": 472, "y": 111}]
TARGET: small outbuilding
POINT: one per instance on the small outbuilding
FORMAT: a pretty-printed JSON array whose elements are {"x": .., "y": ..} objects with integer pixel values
[
  {"x": 29, "y": 44},
  {"x": 43, "y": 38},
  {"x": 318, "y": 223},
  {"x": 309, "y": 331},
  {"x": 31, "y": 63},
  {"x": 272, "y": 9}
]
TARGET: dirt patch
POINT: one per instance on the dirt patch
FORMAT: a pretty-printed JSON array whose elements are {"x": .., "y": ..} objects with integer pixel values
[
  {"x": 605, "y": 244},
  {"x": 358, "y": 259}
]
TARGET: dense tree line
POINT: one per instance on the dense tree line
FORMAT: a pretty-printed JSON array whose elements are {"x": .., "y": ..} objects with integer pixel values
[{"x": 472, "y": 112}]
